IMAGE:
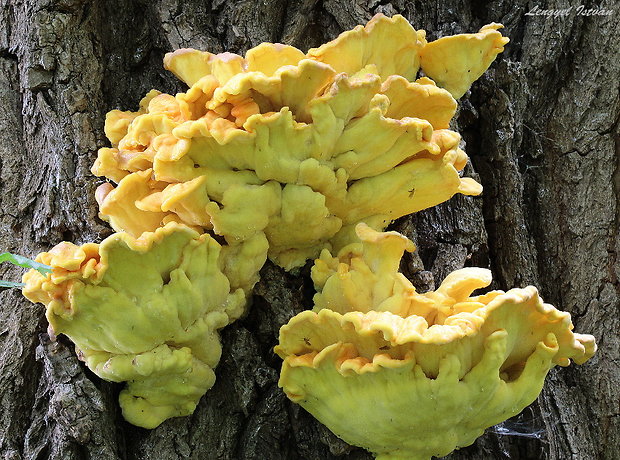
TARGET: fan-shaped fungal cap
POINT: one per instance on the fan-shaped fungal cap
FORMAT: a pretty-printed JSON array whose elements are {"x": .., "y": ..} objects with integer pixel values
[
  {"x": 299, "y": 147},
  {"x": 147, "y": 311},
  {"x": 455, "y": 62},
  {"x": 385, "y": 46},
  {"x": 410, "y": 375}
]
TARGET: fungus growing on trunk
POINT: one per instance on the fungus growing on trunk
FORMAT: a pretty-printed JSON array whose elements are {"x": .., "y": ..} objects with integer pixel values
[
  {"x": 408, "y": 375},
  {"x": 147, "y": 311},
  {"x": 300, "y": 147},
  {"x": 284, "y": 154}
]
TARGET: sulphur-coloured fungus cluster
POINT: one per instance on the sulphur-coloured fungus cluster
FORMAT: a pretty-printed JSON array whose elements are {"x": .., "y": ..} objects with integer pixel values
[
  {"x": 288, "y": 155},
  {"x": 146, "y": 311},
  {"x": 408, "y": 375},
  {"x": 300, "y": 147}
]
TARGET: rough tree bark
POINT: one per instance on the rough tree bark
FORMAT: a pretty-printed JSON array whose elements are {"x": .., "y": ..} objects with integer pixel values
[{"x": 541, "y": 128}]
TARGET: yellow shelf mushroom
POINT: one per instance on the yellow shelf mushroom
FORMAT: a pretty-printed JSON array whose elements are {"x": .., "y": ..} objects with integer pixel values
[
  {"x": 280, "y": 152},
  {"x": 300, "y": 147},
  {"x": 457, "y": 61},
  {"x": 146, "y": 311},
  {"x": 408, "y": 375}
]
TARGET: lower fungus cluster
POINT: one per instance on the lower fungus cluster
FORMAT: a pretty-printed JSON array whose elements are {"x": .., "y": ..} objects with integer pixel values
[
  {"x": 147, "y": 311},
  {"x": 288, "y": 155},
  {"x": 408, "y": 375}
]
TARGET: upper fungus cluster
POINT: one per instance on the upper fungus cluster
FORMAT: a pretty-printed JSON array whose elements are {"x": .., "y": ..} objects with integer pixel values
[{"x": 300, "y": 147}]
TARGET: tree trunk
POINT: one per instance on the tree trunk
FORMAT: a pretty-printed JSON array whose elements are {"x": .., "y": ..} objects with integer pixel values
[{"x": 541, "y": 129}]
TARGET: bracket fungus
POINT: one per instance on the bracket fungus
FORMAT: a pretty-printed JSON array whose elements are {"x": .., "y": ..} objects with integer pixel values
[
  {"x": 288, "y": 155},
  {"x": 408, "y": 375},
  {"x": 298, "y": 146},
  {"x": 146, "y": 311}
]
